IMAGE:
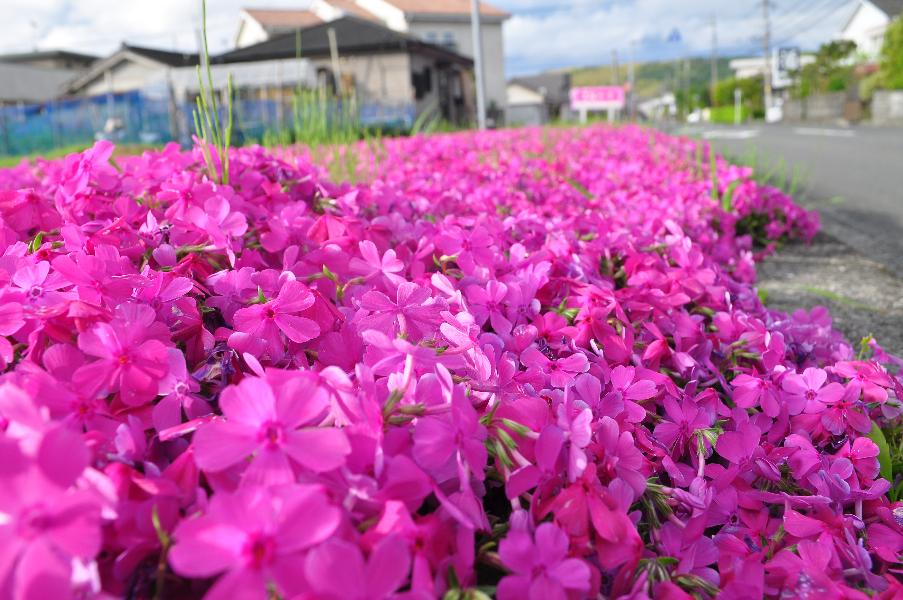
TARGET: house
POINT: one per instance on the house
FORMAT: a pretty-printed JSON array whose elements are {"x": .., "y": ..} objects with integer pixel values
[
  {"x": 745, "y": 68},
  {"x": 51, "y": 59},
  {"x": 441, "y": 22},
  {"x": 381, "y": 65},
  {"x": 25, "y": 84},
  {"x": 537, "y": 99},
  {"x": 867, "y": 24},
  {"x": 40, "y": 76},
  {"x": 129, "y": 68}
]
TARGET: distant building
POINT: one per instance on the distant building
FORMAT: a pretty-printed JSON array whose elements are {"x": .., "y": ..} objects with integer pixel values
[
  {"x": 537, "y": 99},
  {"x": 443, "y": 23},
  {"x": 745, "y": 68},
  {"x": 24, "y": 84},
  {"x": 867, "y": 24},
  {"x": 40, "y": 76},
  {"x": 381, "y": 65},
  {"x": 51, "y": 59},
  {"x": 127, "y": 69}
]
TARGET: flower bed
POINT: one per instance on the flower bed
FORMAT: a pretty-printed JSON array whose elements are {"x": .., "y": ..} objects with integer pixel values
[{"x": 528, "y": 363}]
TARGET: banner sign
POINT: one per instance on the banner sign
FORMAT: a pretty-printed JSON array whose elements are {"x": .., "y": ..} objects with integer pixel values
[{"x": 598, "y": 98}]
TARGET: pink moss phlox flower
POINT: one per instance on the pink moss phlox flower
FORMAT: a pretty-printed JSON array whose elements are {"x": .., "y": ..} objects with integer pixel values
[
  {"x": 127, "y": 362},
  {"x": 487, "y": 304},
  {"x": 558, "y": 372},
  {"x": 808, "y": 391},
  {"x": 337, "y": 570},
  {"x": 259, "y": 328},
  {"x": 277, "y": 429},
  {"x": 254, "y": 538},
  {"x": 540, "y": 565},
  {"x": 413, "y": 312},
  {"x": 384, "y": 270}
]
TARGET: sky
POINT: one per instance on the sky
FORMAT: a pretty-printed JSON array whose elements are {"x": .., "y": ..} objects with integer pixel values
[{"x": 540, "y": 35}]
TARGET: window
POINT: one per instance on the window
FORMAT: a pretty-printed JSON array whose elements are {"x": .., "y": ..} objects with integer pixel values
[{"x": 449, "y": 42}]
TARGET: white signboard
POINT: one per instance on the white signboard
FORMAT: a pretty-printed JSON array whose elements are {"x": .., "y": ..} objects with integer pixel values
[{"x": 785, "y": 63}]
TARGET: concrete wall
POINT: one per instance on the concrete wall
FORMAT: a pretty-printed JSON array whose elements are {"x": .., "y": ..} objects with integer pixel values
[
  {"x": 527, "y": 114},
  {"x": 124, "y": 77},
  {"x": 437, "y": 32},
  {"x": 825, "y": 107},
  {"x": 378, "y": 77},
  {"x": 887, "y": 107}
]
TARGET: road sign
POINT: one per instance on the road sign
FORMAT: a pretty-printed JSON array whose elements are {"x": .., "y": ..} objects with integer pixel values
[
  {"x": 597, "y": 98},
  {"x": 785, "y": 65}
]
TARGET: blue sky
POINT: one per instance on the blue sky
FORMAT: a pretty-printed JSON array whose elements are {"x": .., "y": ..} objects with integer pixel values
[{"x": 542, "y": 34}]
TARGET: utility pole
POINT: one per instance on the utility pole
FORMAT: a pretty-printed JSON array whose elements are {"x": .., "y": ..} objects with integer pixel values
[
  {"x": 766, "y": 46},
  {"x": 478, "y": 62},
  {"x": 631, "y": 79},
  {"x": 334, "y": 60},
  {"x": 714, "y": 58},
  {"x": 616, "y": 76}
]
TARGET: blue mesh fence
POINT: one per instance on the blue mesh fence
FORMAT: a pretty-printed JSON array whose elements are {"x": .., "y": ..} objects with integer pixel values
[{"x": 140, "y": 118}]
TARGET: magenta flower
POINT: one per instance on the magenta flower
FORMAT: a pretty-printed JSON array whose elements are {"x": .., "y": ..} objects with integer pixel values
[
  {"x": 808, "y": 391},
  {"x": 259, "y": 328},
  {"x": 128, "y": 363},
  {"x": 180, "y": 392},
  {"x": 384, "y": 270},
  {"x": 625, "y": 386},
  {"x": 540, "y": 566},
  {"x": 47, "y": 525},
  {"x": 38, "y": 286},
  {"x": 337, "y": 570},
  {"x": 413, "y": 313},
  {"x": 442, "y": 442},
  {"x": 256, "y": 536},
  {"x": 846, "y": 412},
  {"x": 487, "y": 304},
  {"x": 559, "y": 372},
  {"x": 751, "y": 391},
  {"x": 686, "y": 419},
  {"x": 276, "y": 430}
]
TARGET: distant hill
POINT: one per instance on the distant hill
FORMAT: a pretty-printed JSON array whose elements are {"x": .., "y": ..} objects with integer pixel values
[{"x": 654, "y": 78}]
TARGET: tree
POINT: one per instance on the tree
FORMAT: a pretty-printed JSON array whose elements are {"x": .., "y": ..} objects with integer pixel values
[
  {"x": 750, "y": 87},
  {"x": 831, "y": 71},
  {"x": 891, "y": 66}
]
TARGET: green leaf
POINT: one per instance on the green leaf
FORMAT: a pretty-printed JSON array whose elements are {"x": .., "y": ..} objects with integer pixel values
[
  {"x": 35, "y": 244},
  {"x": 727, "y": 201},
  {"x": 877, "y": 436}
]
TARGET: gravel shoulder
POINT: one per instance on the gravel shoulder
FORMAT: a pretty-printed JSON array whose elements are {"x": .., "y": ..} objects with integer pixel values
[{"x": 864, "y": 297}]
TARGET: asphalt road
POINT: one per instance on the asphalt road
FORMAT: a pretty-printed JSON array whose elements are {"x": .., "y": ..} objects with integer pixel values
[{"x": 853, "y": 176}]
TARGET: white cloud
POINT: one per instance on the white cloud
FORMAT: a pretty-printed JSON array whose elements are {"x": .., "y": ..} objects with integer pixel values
[{"x": 541, "y": 33}]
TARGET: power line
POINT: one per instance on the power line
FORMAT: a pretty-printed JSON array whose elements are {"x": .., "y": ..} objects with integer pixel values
[{"x": 805, "y": 28}]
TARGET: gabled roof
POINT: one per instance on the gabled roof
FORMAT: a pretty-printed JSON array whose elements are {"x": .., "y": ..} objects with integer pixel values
[
  {"x": 350, "y": 7},
  {"x": 354, "y": 36},
  {"x": 139, "y": 53},
  {"x": 24, "y": 83},
  {"x": 891, "y": 8},
  {"x": 272, "y": 18},
  {"x": 166, "y": 57},
  {"x": 39, "y": 55},
  {"x": 554, "y": 87},
  {"x": 445, "y": 7}
]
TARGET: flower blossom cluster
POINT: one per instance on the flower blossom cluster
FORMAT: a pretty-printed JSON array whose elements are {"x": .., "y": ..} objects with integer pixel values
[{"x": 528, "y": 363}]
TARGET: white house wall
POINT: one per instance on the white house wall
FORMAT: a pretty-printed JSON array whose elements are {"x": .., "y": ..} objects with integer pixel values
[
  {"x": 124, "y": 77},
  {"x": 390, "y": 15},
  {"x": 519, "y": 95},
  {"x": 250, "y": 32},
  {"x": 493, "y": 50},
  {"x": 866, "y": 28}
]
